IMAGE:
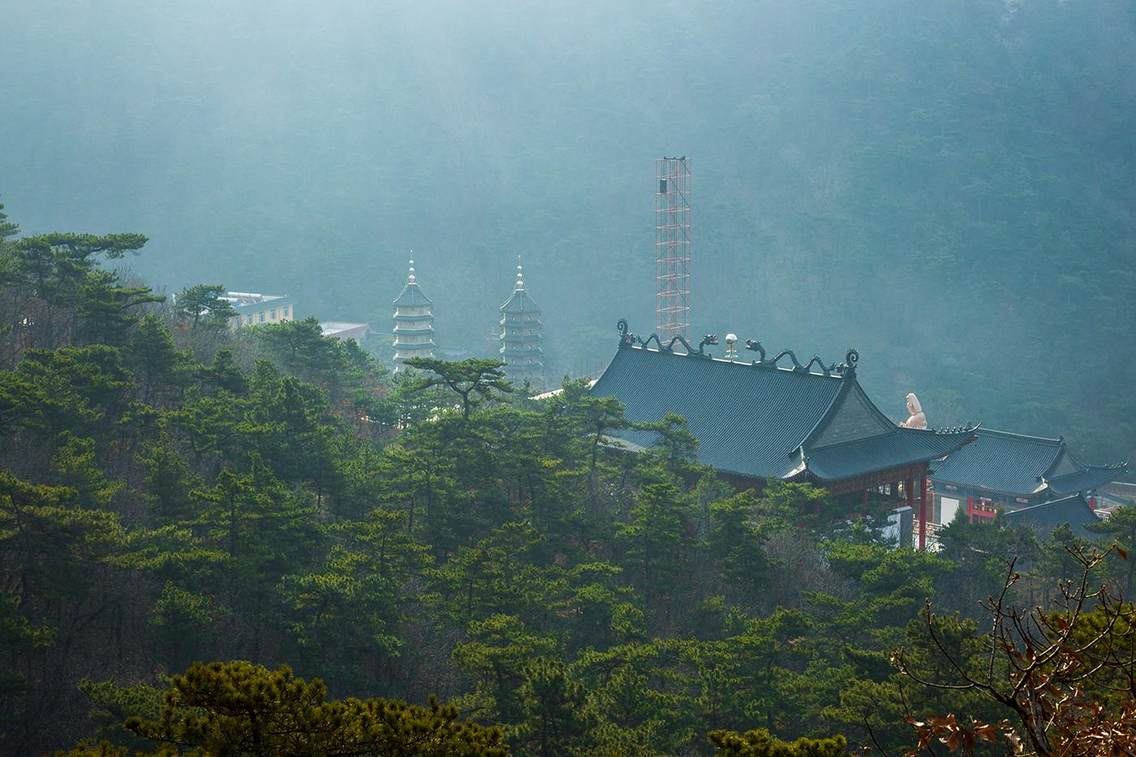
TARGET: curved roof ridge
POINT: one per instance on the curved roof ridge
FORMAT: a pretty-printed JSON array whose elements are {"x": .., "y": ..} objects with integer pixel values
[
  {"x": 874, "y": 407},
  {"x": 825, "y": 417},
  {"x": 1122, "y": 465},
  {"x": 971, "y": 427},
  {"x": 954, "y": 431},
  {"x": 886, "y": 451},
  {"x": 1029, "y": 437},
  {"x": 850, "y": 385},
  {"x": 1050, "y": 503},
  {"x": 768, "y": 365}
]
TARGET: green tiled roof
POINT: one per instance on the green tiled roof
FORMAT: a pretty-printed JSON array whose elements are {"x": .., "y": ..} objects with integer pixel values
[
  {"x": 1086, "y": 479},
  {"x": 1000, "y": 461},
  {"x": 1047, "y": 516},
  {"x": 1019, "y": 465},
  {"x": 754, "y": 420},
  {"x": 904, "y": 446}
]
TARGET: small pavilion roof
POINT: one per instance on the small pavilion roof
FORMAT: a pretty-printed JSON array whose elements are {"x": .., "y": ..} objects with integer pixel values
[
  {"x": 1047, "y": 516},
  {"x": 760, "y": 420}
]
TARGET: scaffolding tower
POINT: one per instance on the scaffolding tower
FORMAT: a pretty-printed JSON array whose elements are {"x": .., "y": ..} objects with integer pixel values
[{"x": 673, "y": 244}]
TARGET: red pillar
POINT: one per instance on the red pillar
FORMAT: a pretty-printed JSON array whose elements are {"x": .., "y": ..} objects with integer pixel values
[
  {"x": 923, "y": 512},
  {"x": 909, "y": 492}
]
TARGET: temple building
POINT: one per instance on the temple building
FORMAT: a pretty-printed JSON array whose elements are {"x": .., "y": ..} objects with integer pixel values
[
  {"x": 775, "y": 418},
  {"x": 521, "y": 339},
  {"x": 1073, "y": 511},
  {"x": 252, "y": 308},
  {"x": 413, "y": 322},
  {"x": 1003, "y": 472}
]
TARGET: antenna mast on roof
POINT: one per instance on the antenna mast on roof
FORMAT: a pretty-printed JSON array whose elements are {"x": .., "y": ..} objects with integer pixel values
[{"x": 673, "y": 244}]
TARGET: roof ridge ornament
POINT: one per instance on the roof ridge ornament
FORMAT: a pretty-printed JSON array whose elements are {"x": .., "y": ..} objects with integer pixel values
[
  {"x": 755, "y": 346},
  {"x": 1122, "y": 465},
  {"x": 815, "y": 359},
  {"x": 792, "y": 357},
  {"x": 845, "y": 369},
  {"x": 964, "y": 428},
  {"x": 669, "y": 346},
  {"x": 626, "y": 338}
]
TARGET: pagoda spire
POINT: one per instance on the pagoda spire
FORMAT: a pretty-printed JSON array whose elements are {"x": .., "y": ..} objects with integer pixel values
[
  {"x": 521, "y": 335},
  {"x": 413, "y": 321}
]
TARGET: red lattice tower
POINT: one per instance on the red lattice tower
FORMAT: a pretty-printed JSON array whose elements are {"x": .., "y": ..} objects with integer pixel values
[{"x": 673, "y": 244}]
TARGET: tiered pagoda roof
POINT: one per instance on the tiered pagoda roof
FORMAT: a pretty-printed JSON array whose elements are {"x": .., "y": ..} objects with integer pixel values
[
  {"x": 413, "y": 321},
  {"x": 769, "y": 417},
  {"x": 412, "y": 295},
  {"x": 521, "y": 334},
  {"x": 1019, "y": 465}
]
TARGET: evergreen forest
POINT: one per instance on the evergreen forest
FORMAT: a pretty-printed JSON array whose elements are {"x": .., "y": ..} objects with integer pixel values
[{"x": 262, "y": 542}]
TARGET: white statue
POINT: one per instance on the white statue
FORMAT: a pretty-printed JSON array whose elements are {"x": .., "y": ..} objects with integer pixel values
[{"x": 915, "y": 416}]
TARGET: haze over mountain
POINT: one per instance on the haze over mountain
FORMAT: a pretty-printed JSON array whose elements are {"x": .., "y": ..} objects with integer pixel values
[{"x": 950, "y": 187}]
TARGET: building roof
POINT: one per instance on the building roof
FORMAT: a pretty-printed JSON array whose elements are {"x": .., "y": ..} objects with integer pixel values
[
  {"x": 1119, "y": 491},
  {"x": 254, "y": 301},
  {"x": 1088, "y": 478},
  {"x": 903, "y": 446},
  {"x": 1002, "y": 462},
  {"x": 1043, "y": 518},
  {"x": 760, "y": 420},
  {"x": 343, "y": 328}
]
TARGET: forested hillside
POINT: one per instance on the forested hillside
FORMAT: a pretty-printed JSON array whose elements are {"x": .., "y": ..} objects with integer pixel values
[
  {"x": 172, "y": 492},
  {"x": 946, "y": 186}
]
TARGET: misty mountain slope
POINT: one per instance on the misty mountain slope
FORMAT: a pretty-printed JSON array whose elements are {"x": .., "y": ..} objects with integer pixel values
[{"x": 947, "y": 187}]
